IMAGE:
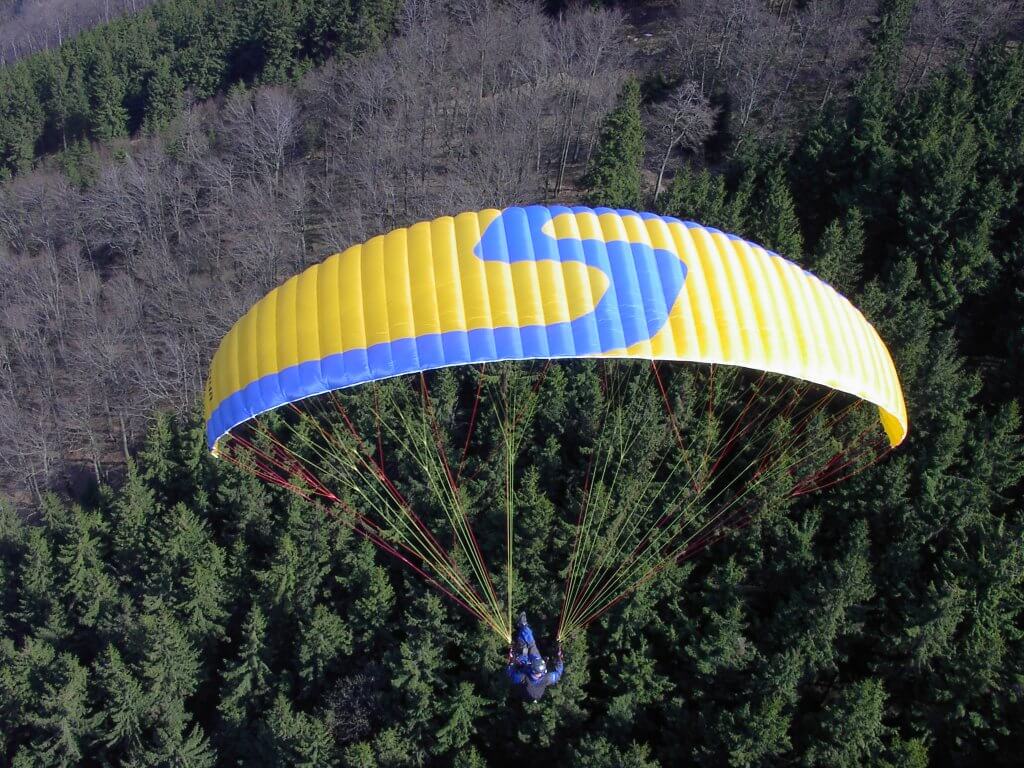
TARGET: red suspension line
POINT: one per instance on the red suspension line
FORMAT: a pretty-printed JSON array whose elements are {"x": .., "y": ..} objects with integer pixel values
[
  {"x": 444, "y": 461},
  {"x": 472, "y": 423},
  {"x": 384, "y": 545}
]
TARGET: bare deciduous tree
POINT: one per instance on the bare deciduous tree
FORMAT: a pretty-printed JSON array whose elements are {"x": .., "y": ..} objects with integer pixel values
[{"x": 684, "y": 120}]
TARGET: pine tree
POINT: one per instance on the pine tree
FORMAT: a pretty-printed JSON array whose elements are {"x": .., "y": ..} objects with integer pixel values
[
  {"x": 64, "y": 100},
  {"x": 170, "y": 667},
  {"x": 469, "y": 758},
  {"x": 87, "y": 589},
  {"x": 247, "y": 675},
  {"x": 614, "y": 178},
  {"x": 371, "y": 611},
  {"x": 838, "y": 255},
  {"x": 122, "y": 721},
  {"x": 945, "y": 213},
  {"x": 190, "y": 569},
  {"x": 852, "y": 732},
  {"x": 465, "y": 708},
  {"x": 322, "y": 643},
  {"x": 59, "y": 716},
  {"x": 204, "y": 34},
  {"x": 422, "y": 661},
  {"x": 327, "y": 27},
  {"x": 108, "y": 118},
  {"x": 163, "y": 97},
  {"x": 178, "y": 742},
  {"x": 267, "y": 42},
  {"x": 39, "y": 608},
  {"x": 21, "y": 119},
  {"x": 776, "y": 225},
  {"x": 298, "y": 739},
  {"x": 599, "y": 752},
  {"x": 373, "y": 21}
]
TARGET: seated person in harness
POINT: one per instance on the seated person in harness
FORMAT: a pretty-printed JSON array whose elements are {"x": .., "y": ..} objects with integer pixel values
[{"x": 526, "y": 667}]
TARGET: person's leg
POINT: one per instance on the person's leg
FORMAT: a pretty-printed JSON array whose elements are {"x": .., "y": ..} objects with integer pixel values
[
  {"x": 525, "y": 645},
  {"x": 524, "y": 637}
]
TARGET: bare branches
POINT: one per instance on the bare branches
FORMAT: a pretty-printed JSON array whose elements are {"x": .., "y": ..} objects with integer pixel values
[
  {"x": 778, "y": 62},
  {"x": 685, "y": 121}
]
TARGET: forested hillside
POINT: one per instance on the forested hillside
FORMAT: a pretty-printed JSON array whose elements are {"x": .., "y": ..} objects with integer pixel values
[
  {"x": 166, "y": 170},
  {"x": 132, "y": 74},
  {"x": 29, "y": 26}
]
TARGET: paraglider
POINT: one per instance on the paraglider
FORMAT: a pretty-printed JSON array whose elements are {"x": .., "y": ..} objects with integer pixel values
[
  {"x": 527, "y": 668},
  {"x": 726, "y": 377}
]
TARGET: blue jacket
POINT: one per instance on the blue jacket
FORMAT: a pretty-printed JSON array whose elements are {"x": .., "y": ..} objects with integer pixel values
[{"x": 520, "y": 670}]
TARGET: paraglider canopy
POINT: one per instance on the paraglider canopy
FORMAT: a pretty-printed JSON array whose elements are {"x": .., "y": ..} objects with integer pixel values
[{"x": 545, "y": 283}]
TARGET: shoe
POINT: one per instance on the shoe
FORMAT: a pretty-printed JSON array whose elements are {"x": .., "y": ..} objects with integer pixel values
[{"x": 522, "y": 619}]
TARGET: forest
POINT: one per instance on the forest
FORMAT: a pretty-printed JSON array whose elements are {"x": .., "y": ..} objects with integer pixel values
[{"x": 165, "y": 169}]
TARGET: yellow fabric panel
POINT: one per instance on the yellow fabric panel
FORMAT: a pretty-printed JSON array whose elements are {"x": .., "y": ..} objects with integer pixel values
[
  {"x": 266, "y": 335},
  {"x": 328, "y": 306},
  {"x": 248, "y": 354},
  {"x": 287, "y": 322},
  {"x": 720, "y": 300},
  {"x": 452, "y": 304},
  {"x": 780, "y": 272},
  {"x": 307, "y": 311},
  {"x": 831, "y": 338},
  {"x": 743, "y": 293},
  {"x": 681, "y": 339},
  {"x": 426, "y": 284},
  {"x": 375, "y": 293},
  {"x": 400, "y": 319},
  {"x": 773, "y": 313},
  {"x": 350, "y": 300},
  {"x": 475, "y": 294}
]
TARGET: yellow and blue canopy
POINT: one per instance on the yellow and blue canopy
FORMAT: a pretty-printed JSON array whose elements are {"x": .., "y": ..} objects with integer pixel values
[{"x": 544, "y": 282}]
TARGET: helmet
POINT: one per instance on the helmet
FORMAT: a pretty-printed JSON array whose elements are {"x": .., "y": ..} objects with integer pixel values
[{"x": 538, "y": 667}]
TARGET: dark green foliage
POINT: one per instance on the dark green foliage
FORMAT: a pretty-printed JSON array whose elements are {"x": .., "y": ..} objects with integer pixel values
[
  {"x": 614, "y": 177},
  {"x": 21, "y": 120},
  {"x": 108, "y": 117},
  {"x": 163, "y": 96}
]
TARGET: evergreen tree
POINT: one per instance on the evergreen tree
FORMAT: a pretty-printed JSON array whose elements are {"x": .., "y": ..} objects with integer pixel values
[
  {"x": 64, "y": 100},
  {"x": 204, "y": 35},
  {"x": 122, "y": 722},
  {"x": 178, "y": 742},
  {"x": 163, "y": 97},
  {"x": 322, "y": 643},
  {"x": 373, "y": 21},
  {"x": 298, "y": 739},
  {"x": 108, "y": 117},
  {"x": 59, "y": 716},
  {"x": 600, "y": 753},
  {"x": 465, "y": 708},
  {"x": 703, "y": 196},
  {"x": 421, "y": 663},
  {"x": 838, "y": 255},
  {"x": 776, "y": 225},
  {"x": 267, "y": 42},
  {"x": 21, "y": 120},
  {"x": 372, "y": 610},
  {"x": 614, "y": 178},
  {"x": 247, "y": 676},
  {"x": 326, "y": 27}
]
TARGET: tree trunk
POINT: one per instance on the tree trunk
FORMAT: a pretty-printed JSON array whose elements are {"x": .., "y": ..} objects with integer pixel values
[{"x": 661, "y": 171}]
